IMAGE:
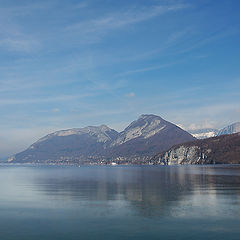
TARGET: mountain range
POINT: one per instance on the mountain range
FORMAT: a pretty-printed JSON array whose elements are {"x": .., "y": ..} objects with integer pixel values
[
  {"x": 149, "y": 139},
  {"x": 210, "y": 132},
  {"x": 231, "y": 129},
  {"x": 141, "y": 140}
]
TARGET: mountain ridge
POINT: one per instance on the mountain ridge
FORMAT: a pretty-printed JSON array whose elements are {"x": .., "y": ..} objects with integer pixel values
[
  {"x": 212, "y": 132},
  {"x": 230, "y": 129},
  {"x": 140, "y": 140}
]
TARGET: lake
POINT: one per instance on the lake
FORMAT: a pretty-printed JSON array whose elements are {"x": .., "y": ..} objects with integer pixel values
[{"x": 122, "y": 202}]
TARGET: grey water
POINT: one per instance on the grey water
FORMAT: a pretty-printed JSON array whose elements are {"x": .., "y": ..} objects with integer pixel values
[{"x": 122, "y": 202}]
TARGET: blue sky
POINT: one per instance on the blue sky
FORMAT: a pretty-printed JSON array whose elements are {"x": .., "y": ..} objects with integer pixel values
[{"x": 68, "y": 63}]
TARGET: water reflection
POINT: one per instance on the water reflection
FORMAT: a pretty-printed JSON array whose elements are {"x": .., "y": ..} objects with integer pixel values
[
  {"x": 119, "y": 201},
  {"x": 149, "y": 191}
]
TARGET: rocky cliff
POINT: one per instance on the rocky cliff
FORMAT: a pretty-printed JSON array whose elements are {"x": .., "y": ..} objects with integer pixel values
[{"x": 217, "y": 150}]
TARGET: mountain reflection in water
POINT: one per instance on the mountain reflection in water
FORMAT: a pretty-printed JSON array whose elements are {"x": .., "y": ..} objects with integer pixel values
[{"x": 133, "y": 202}]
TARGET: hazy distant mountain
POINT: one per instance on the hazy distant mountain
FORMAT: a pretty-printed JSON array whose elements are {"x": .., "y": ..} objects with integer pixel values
[
  {"x": 233, "y": 128},
  {"x": 69, "y": 145},
  {"x": 223, "y": 149},
  {"x": 211, "y": 132},
  {"x": 142, "y": 138},
  {"x": 204, "y": 133}
]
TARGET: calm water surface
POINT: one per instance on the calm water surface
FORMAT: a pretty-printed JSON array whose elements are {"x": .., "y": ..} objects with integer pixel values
[{"x": 143, "y": 202}]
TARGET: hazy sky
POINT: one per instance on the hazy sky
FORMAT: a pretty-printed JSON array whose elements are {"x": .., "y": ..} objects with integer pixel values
[{"x": 72, "y": 63}]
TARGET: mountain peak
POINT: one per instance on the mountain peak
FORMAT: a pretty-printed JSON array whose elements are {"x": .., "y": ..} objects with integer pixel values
[
  {"x": 233, "y": 128},
  {"x": 103, "y": 133},
  {"x": 145, "y": 126},
  {"x": 104, "y": 127},
  {"x": 148, "y": 116},
  {"x": 142, "y": 138}
]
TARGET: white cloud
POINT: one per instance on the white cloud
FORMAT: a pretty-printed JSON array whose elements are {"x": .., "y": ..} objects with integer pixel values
[
  {"x": 212, "y": 116},
  {"x": 211, "y": 38},
  {"x": 94, "y": 28},
  {"x": 19, "y": 43},
  {"x": 131, "y": 94},
  {"x": 147, "y": 69},
  {"x": 175, "y": 36},
  {"x": 205, "y": 124},
  {"x": 62, "y": 98},
  {"x": 80, "y": 5},
  {"x": 13, "y": 36},
  {"x": 56, "y": 110}
]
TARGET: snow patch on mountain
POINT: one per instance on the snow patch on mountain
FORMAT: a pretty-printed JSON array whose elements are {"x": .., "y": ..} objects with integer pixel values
[
  {"x": 204, "y": 133},
  {"x": 103, "y": 133},
  {"x": 233, "y": 128},
  {"x": 146, "y": 126},
  {"x": 209, "y": 132}
]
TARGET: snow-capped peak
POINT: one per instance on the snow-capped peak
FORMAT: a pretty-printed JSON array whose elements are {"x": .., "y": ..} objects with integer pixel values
[
  {"x": 204, "y": 133},
  {"x": 233, "y": 128}
]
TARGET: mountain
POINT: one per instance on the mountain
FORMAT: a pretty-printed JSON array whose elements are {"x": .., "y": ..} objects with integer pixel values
[
  {"x": 204, "y": 133},
  {"x": 69, "y": 145},
  {"x": 146, "y": 135},
  {"x": 211, "y": 132},
  {"x": 233, "y": 128},
  {"x": 223, "y": 149},
  {"x": 98, "y": 145}
]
